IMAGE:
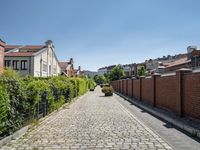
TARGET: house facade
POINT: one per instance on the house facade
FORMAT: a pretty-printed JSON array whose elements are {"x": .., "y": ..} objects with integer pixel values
[
  {"x": 2, "y": 47},
  {"x": 78, "y": 72},
  {"x": 102, "y": 71},
  {"x": 67, "y": 67},
  {"x": 34, "y": 60},
  {"x": 129, "y": 69}
]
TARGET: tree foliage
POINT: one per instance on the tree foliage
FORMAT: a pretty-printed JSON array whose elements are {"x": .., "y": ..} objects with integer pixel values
[
  {"x": 19, "y": 97},
  {"x": 116, "y": 73},
  {"x": 100, "y": 79},
  {"x": 142, "y": 71}
]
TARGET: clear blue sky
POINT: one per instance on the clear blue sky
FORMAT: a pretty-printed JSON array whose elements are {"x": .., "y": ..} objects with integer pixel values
[{"x": 97, "y": 33}]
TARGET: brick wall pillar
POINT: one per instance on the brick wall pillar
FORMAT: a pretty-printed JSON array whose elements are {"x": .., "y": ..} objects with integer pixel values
[
  {"x": 154, "y": 76},
  {"x": 132, "y": 87},
  {"x": 140, "y": 97},
  {"x": 123, "y": 87},
  {"x": 179, "y": 76},
  {"x": 126, "y": 87},
  {"x": 2, "y": 46}
]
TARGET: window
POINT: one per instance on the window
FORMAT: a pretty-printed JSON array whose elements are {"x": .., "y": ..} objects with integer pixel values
[
  {"x": 44, "y": 66},
  {"x": 24, "y": 65},
  {"x": 49, "y": 69},
  {"x": 7, "y": 63},
  {"x": 54, "y": 69},
  {"x": 16, "y": 64}
]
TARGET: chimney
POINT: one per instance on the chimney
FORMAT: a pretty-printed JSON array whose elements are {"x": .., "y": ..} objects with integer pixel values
[
  {"x": 79, "y": 68},
  {"x": 49, "y": 43},
  {"x": 2, "y": 47},
  {"x": 71, "y": 61}
]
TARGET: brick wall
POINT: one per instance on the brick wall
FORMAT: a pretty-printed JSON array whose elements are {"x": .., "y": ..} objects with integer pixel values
[
  {"x": 191, "y": 95},
  {"x": 166, "y": 93},
  {"x": 147, "y": 90},
  {"x": 129, "y": 87},
  {"x": 179, "y": 93},
  {"x": 136, "y": 89},
  {"x": 2, "y": 44}
]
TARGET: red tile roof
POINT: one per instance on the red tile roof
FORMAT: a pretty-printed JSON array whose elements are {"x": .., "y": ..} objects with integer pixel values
[
  {"x": 2, "y": 43},
  {"x": 33, "y": 47},
  {"x": 178, "y": 62},
  {"x": 64, "y": 64},
  {"x": 19, "y": 54},
  {"x": 21, "y": 47},
  {"x": 9, "y": 47}
]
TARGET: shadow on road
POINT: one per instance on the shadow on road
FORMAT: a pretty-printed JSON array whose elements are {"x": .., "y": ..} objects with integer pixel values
[{"x": 166, "y": 124}]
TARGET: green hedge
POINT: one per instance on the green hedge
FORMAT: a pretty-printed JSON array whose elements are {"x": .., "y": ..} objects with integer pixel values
[
  {"x": 91, "y": 84},
  {"x": 20, "y": 97}
]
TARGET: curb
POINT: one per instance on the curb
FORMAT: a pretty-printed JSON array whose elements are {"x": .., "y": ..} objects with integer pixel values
[
  {"x": 170, "y": 119},
  {"x": 14, "y": 136}
]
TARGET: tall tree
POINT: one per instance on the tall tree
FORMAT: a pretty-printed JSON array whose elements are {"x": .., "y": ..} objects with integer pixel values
[
  {"x": 116, "y": 73},
  {"x": 142, "y": 71},
  {"x": 100, "y": 79}
]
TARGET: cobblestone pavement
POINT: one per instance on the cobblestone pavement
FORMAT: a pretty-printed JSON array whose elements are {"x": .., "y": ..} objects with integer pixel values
[{"x": 92, "y": 122}]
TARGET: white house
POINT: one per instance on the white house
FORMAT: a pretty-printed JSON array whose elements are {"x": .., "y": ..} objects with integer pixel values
[
  {"x": 102, "y": 71},
  {"x": 35, "y": 60}
]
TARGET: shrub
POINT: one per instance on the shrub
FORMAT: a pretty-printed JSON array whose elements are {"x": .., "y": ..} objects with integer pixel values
[
  {"x": 4, "y": 110},
  {"x": 108, "y": 90},
  {"x": 91, "y": 84},
  {"x": 35, "y": 89},
  {"x": 82, "y": 86},
  {"x": 20, "y": 96},
  {"x": 17, "y": 101}
]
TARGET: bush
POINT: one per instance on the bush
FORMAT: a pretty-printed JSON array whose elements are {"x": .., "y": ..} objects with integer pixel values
[
  {"x": 82, "y": 86},
  {"x": 17, "y": 101},
  {"x": 22, "y": 98},
  {"x": 35, "y": 89},
  {"x": 4, "y": 110},
  {"x": 91, "y": 84},
  {"x": 108, "y": 90}
]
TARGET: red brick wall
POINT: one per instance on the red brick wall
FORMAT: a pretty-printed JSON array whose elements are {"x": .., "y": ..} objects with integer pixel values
[
  {"x": 167, "y": 93},
  {"x": 129, "y": 87},
  {"x": 136, "y": 89},
  {"x": 170, "y": 92},
  {"x": 120, "y": 84},
  {"x": 147, "y": 90},
  {"x": 1, "y": 58},
  {"x": 191, "y": 95},
  {"x": 123, "y": 86}
]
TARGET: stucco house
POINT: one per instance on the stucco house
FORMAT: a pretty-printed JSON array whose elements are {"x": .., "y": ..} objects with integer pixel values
[
  {"x": 67, "y": 67},
  {"x": 2, "y": 46},
  {"x": 35, "y": 60}
]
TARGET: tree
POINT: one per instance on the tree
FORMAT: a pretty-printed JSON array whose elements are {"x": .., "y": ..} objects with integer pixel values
[
  {"x": 100, "y": 79},
  {"x": 142, "y": 71},
  {"x": 116, "y": 73},
  {"x": 107, "y": 76}
]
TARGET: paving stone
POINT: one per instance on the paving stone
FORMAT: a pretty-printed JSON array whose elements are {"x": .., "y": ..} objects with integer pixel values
[{"x": 92, "y": 122}]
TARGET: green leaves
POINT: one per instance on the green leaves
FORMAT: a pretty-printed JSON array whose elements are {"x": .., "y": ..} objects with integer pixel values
[
  {"x": 142, "y": 71},
  {"x": 116, "y": 73},
  {"x": 20, "y": 96},
  {"x": 4, "y": 109}
]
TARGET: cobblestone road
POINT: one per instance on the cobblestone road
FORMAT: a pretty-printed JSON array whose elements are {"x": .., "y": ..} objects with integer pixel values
[{"x": 92, "y": 122}]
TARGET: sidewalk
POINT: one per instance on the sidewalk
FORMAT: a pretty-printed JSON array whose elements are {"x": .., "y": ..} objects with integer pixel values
[{"x": 165, "y": 123}]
